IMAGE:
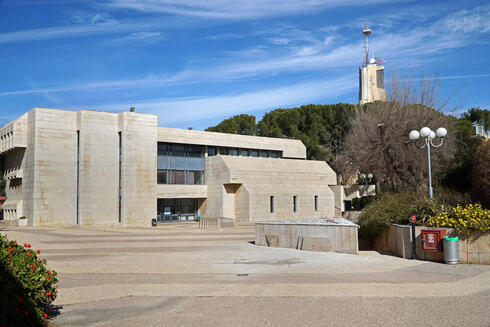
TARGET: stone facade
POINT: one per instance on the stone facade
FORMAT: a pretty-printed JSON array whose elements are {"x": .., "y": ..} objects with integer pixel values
[{"x": 94, "y": 168}]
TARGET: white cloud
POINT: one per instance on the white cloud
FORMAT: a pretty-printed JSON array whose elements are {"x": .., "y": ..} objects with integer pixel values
[
  {"x": 226, "y": 9},
  {"x": 193, "y": 109}
]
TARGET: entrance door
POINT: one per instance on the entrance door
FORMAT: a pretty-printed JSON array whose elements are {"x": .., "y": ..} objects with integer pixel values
[{"x": 174, "y": 210}]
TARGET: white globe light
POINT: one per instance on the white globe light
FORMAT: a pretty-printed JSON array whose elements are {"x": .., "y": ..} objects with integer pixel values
[
  {"x": 432, "y": 135},
  {"x": 362, "y": 176},
  {"x": 370, "y": 176},
  {"x": 414, "y": 135},
  {"x": 441, "y": 132},
  {"x": 425, "y": 131}
]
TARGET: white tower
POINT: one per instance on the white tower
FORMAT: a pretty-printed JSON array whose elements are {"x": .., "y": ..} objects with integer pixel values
[{"x": 371, "y": 76}]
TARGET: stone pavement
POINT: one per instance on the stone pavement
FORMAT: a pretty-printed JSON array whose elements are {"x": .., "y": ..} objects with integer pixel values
[{"x": 177, "y": 275}]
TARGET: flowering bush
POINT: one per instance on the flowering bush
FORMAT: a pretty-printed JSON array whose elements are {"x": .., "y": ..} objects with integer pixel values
[
  {"x": 27, "y": 286},
  {"x": 463, "y": 219}
]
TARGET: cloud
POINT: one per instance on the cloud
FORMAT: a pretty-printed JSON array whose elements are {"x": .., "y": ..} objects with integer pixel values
[
  {"x": 180, "y": 110},
  {"x": 137, "y": 37},
  {"x": 226, "y": 9}
]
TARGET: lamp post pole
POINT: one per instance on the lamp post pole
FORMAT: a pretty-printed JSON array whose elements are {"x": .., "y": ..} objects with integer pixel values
[{"x": 428, "y": 136}]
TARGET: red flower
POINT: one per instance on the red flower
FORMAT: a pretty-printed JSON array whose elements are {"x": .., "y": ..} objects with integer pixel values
[
  {"x": 10, "y": 248},
  {"x": 28, "y": 245},
  {"x": 15, "y": 242},
  {"x": 25, "y": 245},
  {"x": 32, "y": 266},
  {"x": 45, "y": 316},
  {"x": 49, "y": 272},
  {"x": 20, "y": 300},
  {"x": 28, "y": 254},
  {"x": 38, "y": 251},
  {"x": 27, "y": 313},
  {"x": 47, "y": 277},
  {"x": 48, "y": 293}
]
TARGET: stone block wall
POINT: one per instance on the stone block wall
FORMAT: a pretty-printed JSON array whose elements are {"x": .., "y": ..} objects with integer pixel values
[{"x": 475, "y": 249}]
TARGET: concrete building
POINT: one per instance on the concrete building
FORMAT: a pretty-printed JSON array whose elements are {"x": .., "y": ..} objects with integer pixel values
[
  {"x": 371, "y": 76},
  {"x": 93, "y": 168}
]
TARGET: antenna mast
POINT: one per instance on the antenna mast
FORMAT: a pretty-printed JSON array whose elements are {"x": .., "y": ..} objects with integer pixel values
[{"x": 366, "y": 31}]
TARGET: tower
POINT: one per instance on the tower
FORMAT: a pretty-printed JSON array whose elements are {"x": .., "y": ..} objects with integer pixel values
[{"x": 371, "y": 76}]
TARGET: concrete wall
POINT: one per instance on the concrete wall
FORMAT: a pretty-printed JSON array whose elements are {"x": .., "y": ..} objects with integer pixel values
[
  {"x": 475, "y": 249},
  {"x": 397, "y": 239},
  {"x": 250, "y": 182},
  {"x": 289, "y": 148},
  {"x": 310, "y": 237}
]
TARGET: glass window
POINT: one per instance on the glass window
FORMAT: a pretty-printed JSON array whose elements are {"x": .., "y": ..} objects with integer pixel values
[
  {"x": 177, "y": 150},
  {"x": 233, "y": 152},
  {"x": 162, "y": 177},
  {"x": 294, "y": 203},
  {"x": 223, "y": 150},
  {"x": 162, "y": 149},
  {"x": 244, "y": 152},
  {"x": 264, "y": 154},
  {"x": 195, "y": 150},
  {"x": 255, "y": 153},
  {"x": 178, "y": 177},
  {"x": 272, "y": 204},
  {"x": 316, "y": 202},
  {"x": 274, "y": 154},
  {"x": 211, "y": 151}
]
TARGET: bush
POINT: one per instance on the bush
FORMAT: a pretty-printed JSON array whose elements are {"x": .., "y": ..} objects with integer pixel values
[
  {"x": 463, "y": 219},
  {"x": 362, "y": 202},
  {"x": 481, "y": 175},
  {"x": 387, "y": 209},
  {"x": 27, "y": 286}
]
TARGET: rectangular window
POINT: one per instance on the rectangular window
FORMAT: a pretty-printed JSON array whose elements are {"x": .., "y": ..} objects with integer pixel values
[
  {"x": 211, "y": 151},
  {"x": 294, "y": 203},
  {"x": 264, "y": 154},
  {"x": 162, "y": 149},
  {"x": 223, "y": 150},
  {"x": 162, "y": 176},
  {"x": 178, "y": 177},
  {"x": 194, "y": 177},
  {"x": 274, "y": 154},
  {"x": 195, "y": 151},
  {"x": 233, "y": 152},
  {"x": 177, "y": 150},
  {"x": 316, "y": 202},
  {"x": 255, "y": 153},
  {"x": 244, "y": 152},
  {"x": 272, "y": 204}
]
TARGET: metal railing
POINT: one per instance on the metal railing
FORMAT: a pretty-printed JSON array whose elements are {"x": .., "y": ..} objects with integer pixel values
[{"x": 211, "y": 223}]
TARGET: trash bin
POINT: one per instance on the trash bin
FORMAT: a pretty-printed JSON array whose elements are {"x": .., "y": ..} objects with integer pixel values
[
  {"x": 451, "y": 250},
  {"x": 153, "y": 222}
]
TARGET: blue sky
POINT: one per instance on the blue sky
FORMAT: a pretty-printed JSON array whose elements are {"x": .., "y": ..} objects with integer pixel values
[{"x": 196, "y": 62}]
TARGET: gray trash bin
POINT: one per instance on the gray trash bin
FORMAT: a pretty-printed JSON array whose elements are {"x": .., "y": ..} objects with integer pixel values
[{"x": 451, "y": 250}]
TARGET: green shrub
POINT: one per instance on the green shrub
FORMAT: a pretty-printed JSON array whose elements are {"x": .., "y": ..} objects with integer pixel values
[
  {"x": 27, "y": 286},
  {"x": 362, "y": 202},
  {"x": 386, "y": 209}
]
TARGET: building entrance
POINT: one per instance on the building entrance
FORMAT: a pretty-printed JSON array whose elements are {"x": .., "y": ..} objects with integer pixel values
[{"x": 175, "y": 210}]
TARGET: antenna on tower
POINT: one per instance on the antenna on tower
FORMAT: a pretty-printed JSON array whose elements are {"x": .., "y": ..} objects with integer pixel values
[{"x": 366, "y": 31}]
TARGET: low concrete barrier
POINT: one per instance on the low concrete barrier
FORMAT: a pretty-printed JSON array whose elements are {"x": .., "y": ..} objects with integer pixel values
[{"x": 327, "y": 235}]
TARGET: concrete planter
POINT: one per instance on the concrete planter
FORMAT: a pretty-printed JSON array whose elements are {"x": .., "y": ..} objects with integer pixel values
[
  {"x": 310, "y": 236},
  {"x": 475, "y": 249},
  {"x": 22, "y": 222}
]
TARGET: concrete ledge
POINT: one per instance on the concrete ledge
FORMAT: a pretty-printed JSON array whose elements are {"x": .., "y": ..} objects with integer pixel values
[{"x": 317, "y": 235}]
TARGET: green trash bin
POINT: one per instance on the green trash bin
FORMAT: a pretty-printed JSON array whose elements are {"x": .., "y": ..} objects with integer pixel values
[{"x": 451, "y": 256}]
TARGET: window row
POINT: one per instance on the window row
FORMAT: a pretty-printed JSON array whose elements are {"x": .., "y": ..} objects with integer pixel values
[
  {"x": 227, "y": 151},
  {"x": 190, "y": 177},
  {"x": 180, "y": 150},
  {"x": 271, "y": 203}
]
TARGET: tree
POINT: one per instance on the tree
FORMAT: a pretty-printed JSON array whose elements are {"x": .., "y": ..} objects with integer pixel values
[
  {"x": 481, "y": 175},
  {"x": 378, "y": 139},
  {"x": 241, "y": 124},
  {"x": 321, "y": 128},
  {"x": 478, "y": 115}
]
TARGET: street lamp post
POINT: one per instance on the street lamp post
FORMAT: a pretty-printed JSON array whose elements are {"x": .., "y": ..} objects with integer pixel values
[
  {"x": 428, "y": 136},
  {"x": 366, "y": 179}
]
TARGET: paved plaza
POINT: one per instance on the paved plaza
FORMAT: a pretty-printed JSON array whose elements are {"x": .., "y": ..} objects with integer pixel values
[{"x": 178, "y": 275}]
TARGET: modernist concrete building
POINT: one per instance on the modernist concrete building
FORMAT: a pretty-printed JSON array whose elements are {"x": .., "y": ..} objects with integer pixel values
[{"x": 93, "y": 168}]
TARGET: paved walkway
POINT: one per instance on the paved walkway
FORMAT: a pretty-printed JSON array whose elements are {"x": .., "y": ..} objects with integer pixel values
[{"x": 177, "y": 275}]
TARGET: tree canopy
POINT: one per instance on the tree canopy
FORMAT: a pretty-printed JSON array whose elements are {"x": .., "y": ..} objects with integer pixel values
[
  {"x": 241, "y": 124},
  {"x": 478, "y": 115}
]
